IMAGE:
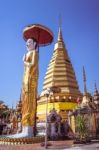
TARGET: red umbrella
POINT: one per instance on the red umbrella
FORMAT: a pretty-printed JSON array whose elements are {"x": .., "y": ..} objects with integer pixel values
[{"x": 41, "y": 34}]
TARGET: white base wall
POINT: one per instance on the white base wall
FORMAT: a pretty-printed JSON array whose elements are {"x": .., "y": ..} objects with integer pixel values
[{"x": 27, "y": 131}]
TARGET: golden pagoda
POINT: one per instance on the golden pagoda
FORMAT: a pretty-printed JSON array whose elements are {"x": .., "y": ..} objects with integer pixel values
[{"x": 60, "y": 74}]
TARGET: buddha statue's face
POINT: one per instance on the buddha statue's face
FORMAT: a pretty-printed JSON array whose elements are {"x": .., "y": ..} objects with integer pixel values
[{"x": 30, "y": 44}]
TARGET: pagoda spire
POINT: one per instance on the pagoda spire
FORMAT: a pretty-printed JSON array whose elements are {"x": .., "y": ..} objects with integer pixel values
[
  {"x": 95, "y": 88},
  {"x": 84, "y": 80},
  {"x": 60, "y": 42},
  {"x": 60, "y": 38},
  {"x": 12, "y": 107}
]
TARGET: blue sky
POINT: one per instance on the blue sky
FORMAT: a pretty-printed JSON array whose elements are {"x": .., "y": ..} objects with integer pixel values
[{"x": 80, "y": 27}]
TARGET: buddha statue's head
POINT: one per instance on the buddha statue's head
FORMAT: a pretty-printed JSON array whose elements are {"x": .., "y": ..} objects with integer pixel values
[{"x": 31, "y": 44}]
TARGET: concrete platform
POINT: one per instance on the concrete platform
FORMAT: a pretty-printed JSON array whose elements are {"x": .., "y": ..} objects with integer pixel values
[{"x": 56, "y": 145}]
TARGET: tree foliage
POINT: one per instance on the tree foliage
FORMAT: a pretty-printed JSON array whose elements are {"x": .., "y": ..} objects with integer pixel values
[{"x": 81, "y": 126}]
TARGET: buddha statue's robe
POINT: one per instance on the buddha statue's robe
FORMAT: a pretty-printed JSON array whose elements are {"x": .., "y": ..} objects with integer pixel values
[{"x": 29, "y": 90}]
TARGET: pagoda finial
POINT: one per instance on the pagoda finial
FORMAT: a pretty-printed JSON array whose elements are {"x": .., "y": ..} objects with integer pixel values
[
  {"x": 12, "y": 106},
  {"x": 60, "y": 21},
  {"x": 84, "y": 80},
  {"x": 60, "y": 32},
  {"x": 95, "y": 86}
]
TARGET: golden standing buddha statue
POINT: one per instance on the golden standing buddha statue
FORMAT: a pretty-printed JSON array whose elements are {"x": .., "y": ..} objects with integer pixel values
[{"x": 36, "y": 35}]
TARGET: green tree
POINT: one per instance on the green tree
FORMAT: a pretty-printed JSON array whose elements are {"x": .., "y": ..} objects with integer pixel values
[{"x": 81, "y": 125}]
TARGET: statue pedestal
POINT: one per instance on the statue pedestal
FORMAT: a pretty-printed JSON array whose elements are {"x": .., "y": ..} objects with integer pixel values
[{"x": 27, "y": 132}]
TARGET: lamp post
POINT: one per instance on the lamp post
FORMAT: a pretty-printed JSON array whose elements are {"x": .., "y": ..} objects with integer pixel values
[{"x": 47, "y": 94}]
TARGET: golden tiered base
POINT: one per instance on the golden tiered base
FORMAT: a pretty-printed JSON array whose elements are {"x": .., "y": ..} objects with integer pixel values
[{"x": 16, "y": 141}]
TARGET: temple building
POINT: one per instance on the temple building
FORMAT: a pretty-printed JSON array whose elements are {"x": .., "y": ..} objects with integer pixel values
[
  {"x": 60, "y": 77},
  {"x": 88, "y": 111}
]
